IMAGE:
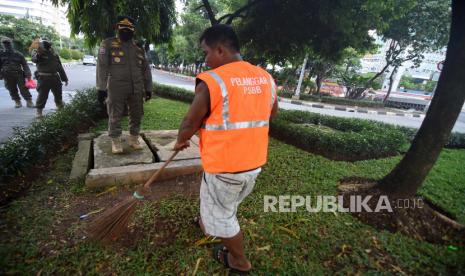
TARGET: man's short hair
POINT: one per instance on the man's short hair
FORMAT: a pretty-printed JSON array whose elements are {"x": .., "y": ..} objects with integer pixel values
[{"x": 220, "y": 33}]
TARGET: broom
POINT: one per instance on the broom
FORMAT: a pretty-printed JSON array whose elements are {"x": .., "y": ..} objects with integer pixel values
[{"x": 110, "y": 224}]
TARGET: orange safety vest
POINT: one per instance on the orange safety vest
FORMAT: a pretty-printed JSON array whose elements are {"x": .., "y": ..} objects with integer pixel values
[{"x": 234, "y": 137}]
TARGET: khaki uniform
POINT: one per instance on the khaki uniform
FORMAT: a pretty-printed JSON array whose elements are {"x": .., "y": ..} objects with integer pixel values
[
  {"x": 50, "y": 75},
  {"x": 13, "y": 69},
  {"x": 122, "y": 71}
]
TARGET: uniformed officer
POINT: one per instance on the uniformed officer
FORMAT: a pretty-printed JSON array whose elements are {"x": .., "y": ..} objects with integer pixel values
[
  {"x": 50, "y": 75},
  {"x": 13, "y": 69},
  {"x": 122, "y": 75}
]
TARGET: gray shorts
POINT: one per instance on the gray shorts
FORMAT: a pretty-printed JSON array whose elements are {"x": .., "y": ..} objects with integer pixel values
[{"x": 220, "y": 194}]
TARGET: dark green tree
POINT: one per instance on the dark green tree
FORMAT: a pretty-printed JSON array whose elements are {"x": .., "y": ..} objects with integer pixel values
[
  {"x": 24, "y": 30},
  {"x": 96, "y": 19},
  {"x": 423, "y": 25},
  {"x": 405, "y": 179}
]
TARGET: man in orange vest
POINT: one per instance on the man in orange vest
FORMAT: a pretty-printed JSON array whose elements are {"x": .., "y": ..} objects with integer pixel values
[{"x": 232, "y": 107}]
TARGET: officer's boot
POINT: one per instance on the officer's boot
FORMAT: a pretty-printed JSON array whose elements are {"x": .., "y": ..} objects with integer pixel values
[
  {"x": 29, "y": 103},
  {"x": 60, "y": 105},
  {"x": 39, "y": 114},
  {"x": 18, "y": 104},
  {"x": 133, "y": 141},
  {"x": 116, "y": 146}
]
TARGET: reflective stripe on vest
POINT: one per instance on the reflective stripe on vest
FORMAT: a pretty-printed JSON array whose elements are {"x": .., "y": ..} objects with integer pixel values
[{"x": 238, "y": 125}]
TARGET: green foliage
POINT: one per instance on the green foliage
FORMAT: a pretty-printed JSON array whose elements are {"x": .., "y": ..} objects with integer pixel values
[
  {"x": 416, "y": 30},
  {"x": 96, "y": 19},
  {"x": 31, "y": 146},
  {"x": 24, "y": 30},
  {"x": 417, "y": 84},
  {"x": 164, "y": 241},
  {"x": 333, "y": 100},
  {"x": 71, "y": 54},
  {"x": 65, "y": 53},
  {"x": 174, "y": 93},
  {"x": 456, "y": 139},
  {"x": 337, "y": 138},
  {"x": 76, "y": 55},
  {"x": 277, "y": 30}
]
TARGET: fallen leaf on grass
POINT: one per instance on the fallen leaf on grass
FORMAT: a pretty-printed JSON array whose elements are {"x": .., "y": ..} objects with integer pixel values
[
  {"x": 290, "y": 232},
  {"x": 196, "y": 266},
  {"x": 264, "y": 248},
  {"x": 207, "y": 240}
]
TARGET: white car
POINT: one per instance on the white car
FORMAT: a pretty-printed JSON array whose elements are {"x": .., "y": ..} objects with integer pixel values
[{"x": 89, "y": 60}]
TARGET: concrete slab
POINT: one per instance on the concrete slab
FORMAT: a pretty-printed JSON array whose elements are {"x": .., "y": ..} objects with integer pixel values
[
  {"x": 138, "y": 174},
  {"x": 103, "y": 158},
  {"x": 162, "y": 141},
  {"x": 81, "y": 162},
  {"x": 86, "y": 136}
]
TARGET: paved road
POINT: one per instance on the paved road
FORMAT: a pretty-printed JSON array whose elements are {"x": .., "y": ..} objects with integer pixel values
[{"x": 84, "y": 76}]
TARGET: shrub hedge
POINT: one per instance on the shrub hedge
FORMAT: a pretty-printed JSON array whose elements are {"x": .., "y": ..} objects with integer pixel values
[
  {"x": 30, "y": 146},
  {"x": 340, "y": 138},
  {"x": 172, "y": 92},
  {"x": 456, "y": 140},
  {"x": 333, "y": 100}
]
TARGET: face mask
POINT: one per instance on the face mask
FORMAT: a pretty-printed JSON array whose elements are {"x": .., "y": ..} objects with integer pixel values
[
  {"x": 8, "y": 46},
  {"x": 47, "y": 45},
  {"x": 125, "y": 35}
]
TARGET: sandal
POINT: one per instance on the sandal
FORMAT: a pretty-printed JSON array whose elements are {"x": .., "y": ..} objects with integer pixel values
[
  {"x": 196, "y": 222},
  {"x": 220, "y": 254}
]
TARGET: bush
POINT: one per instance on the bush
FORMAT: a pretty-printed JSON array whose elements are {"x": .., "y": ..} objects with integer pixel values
[
  {"x": 31, "y": 146},
  {"x": 337, "y": 138},
  {"x": 171, "y": 92},
  {"x": 76, "y": 55},
  {"x": 456, "y": 140},
  {"x": 65, "y": 53},
  {"x": 333, "y": 100}
]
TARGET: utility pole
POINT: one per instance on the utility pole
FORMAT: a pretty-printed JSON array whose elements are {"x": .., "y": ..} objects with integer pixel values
[{"x": 299, "y": 84}]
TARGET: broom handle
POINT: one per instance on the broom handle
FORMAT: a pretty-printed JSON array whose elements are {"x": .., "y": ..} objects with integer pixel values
[{"x": 158, "y": 172}]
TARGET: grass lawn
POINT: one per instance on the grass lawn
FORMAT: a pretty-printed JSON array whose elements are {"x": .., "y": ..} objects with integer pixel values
[{"x": 38, "y": 233}]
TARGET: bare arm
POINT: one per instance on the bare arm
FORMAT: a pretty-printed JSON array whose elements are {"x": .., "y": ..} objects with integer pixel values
[
  {"x": 274, "y": 110},
  {"x": 193, "y": 120}
]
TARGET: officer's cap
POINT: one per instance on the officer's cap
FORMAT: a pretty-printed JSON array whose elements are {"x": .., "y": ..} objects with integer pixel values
[
  {"x": 6, "y": 40},
  {"x": 125, "y": 22}
]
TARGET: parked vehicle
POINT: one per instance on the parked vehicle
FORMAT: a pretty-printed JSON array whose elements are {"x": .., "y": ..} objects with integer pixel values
[{"x": 89, "y": 60}]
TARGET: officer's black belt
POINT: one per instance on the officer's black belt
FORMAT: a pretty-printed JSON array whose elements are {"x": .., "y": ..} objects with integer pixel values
[{"x": 47, "y": 74}]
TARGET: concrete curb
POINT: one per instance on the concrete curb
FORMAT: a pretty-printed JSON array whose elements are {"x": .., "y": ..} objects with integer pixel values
[
  {"x": 177, "y": 75},
  {"x": 350, "y": 108}
]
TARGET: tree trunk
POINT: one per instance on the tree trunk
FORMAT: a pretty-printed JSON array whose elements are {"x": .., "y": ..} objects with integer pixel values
[
  {"x": 318, "y": 85},
  {"x": 378, "y": 74},
  {"x": 405, "y": 179},
  {"x": 391, "y": 82}
]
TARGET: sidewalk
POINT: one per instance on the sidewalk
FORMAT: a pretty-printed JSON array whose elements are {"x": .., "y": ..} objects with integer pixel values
[{"x": 400, "y": 113}]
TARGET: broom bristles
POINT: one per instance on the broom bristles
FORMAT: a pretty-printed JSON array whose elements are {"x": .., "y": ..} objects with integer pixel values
[{"x": 111, "y": 224}]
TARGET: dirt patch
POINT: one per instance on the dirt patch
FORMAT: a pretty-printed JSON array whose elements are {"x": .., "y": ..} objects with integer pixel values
[
  {"x": 414, "y": 217},
  {"x": 82, "y": 209}
]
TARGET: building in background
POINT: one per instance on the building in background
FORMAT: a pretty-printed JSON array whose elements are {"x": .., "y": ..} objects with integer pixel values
[
  {"x": 428, "y": 69},
  {"x": 41, "y": 10}
]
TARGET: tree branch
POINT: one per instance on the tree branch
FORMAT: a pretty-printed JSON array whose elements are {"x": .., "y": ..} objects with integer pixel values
[
  {"x": 231, "y": 16},
  {"x": 210, "y": 13}
]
